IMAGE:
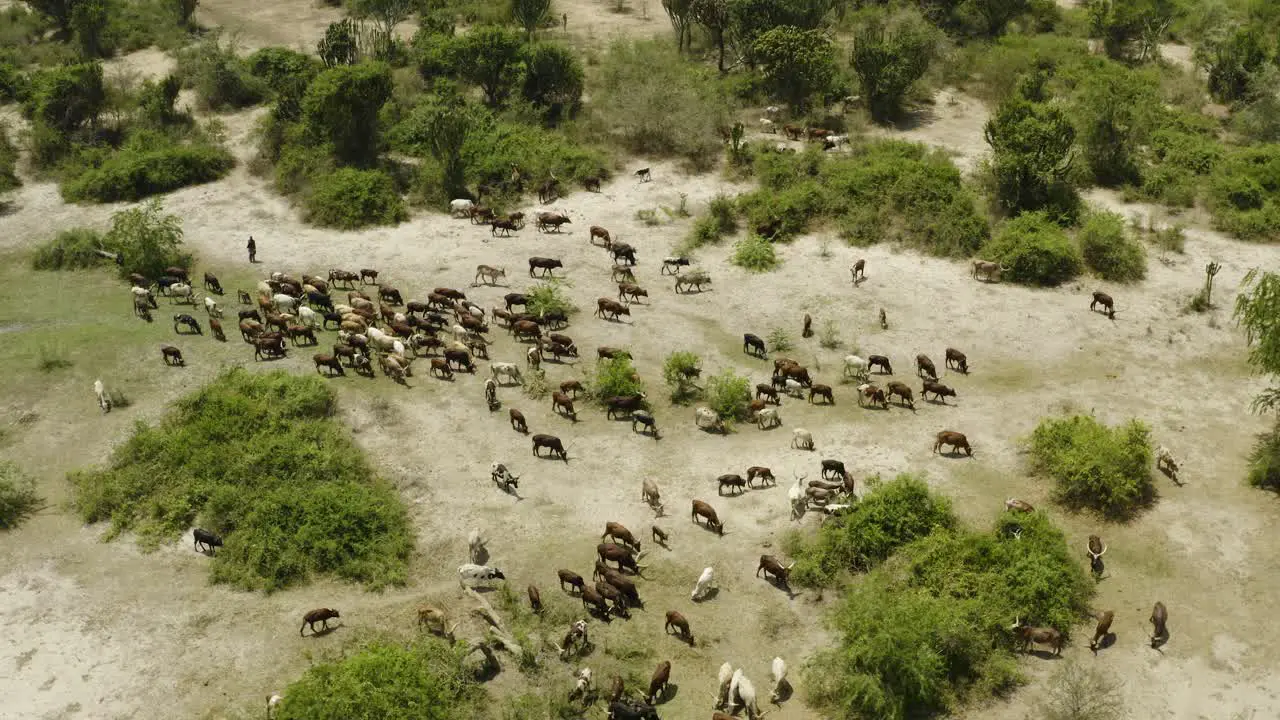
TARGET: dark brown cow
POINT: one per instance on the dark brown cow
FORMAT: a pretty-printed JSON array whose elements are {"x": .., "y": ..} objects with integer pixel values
[
  {"x": 956, "y": 440},
  {"x": 322, "y": 616},
  {"x": 552, "y": 444},
  {"x": 1028, "y": 636},
  {"x": 881, "y": 362},
  {"x": 572, "y": 579},
  {"x": 730, "y": 480},
  {"x": 753, "y": 345},
  {"x": 764, "y": 474},
  {"x": 1159, "y": 627},
  {"x": 546, "y": 265},
  {"x": 171, "y": 355},
  {"x": 331, "y": 362},
  {"x": 768, "y": 392},
  {"x": 1108, "y": 305},
  {"x": 677, "y": 621},
  {"x": 901, "y": 390},
  {"x": 940, "y": 392},
  {"x": 621, "y": 554},
  {"x": 623, "y": 404},
  {"x": 823, "y": 391},
  {"x": 1102, "y": 630},
  {"x": 562, "y": 404},
  {"x": 957, "y": 359},
  {"x": 461, "y": 358},
  {"x": 619, "y": 533},
  {"x": 658, "y": 683},
  {"x": 924, "y": 367},
  {"x": 705, "y": 511},
  {"x": 610, "y": 309},
  {"x": 770, "y": 566}
]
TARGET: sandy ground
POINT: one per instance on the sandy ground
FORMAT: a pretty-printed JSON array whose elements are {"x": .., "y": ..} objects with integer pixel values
[{"x": 94, "y": 630}]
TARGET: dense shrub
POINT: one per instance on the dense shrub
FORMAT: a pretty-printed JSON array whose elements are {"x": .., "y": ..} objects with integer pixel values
[
  {"x": 67, "y": 98},
  {"x": 930, "y": 628},
  {"x": 491, "y": 152},
  {"x": 149, "y": 240},
  {"x": 678, "y": 372},
  {"x": 424, "y": 680},
  {"x": 889, "y": 56},
  {"x": 18, "y": 498},
  {"x": 755, "y": 254},
  {"x": 891, "y": 515},
  {"x": 1264, "y": 461},
  {"x": 1115, "y": 111},
  {"x": 258, "y": 459},
  {"x": 70, "y": 250},
  {"x": 340, "y": 108},
  {"x": 1094, "y": 466},
  {"x": 729, "y": 394},
  {"x": 797, "y": 64},
  {"x": 553, "y": 80},
  {"x": 720, "y": 219},
  {"x": 614, "y": 378},
  {"x": 134, "y": 173},
  {"x": 1036, "y": 251},
  {"x": 1031, "y": 145},
  {"x": 8, "y": 162},
  {"x": 349, "y": 199},
  {"x": 282, "y": 69},
  {"x": 1109, "y": 250},
  {"x": 655, "y": 103},
  {"x": 1244, "y": 193},
  {"x": 213, "y": 69}
]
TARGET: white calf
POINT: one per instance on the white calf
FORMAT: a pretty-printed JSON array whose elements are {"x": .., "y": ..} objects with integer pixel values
[
  {"x": 182, "y": 292},
  {"x": 470, "y": 574},
  {"x": 705, "y": 417},
  {"x": 273, "y": 705},
  {"x": 104, "y": 399},
  {"x": 285, "y": 303},
  {"x": 801, "y": 438},
  {"x": 460, "y": 207},
  {"x": 768, "y": 125},
  {"x": 856, "y": 367},
  {"x": 779, "y": 673},
  {"x": 768, "y": 417},
  {"x": 309, "y": 317},
  {"x": 212, "y": 308},
  {"x": 705, "y": 582},
  {"x": 507, "y": 370}
]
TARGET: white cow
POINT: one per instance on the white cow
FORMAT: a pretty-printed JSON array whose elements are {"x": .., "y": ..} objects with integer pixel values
[
  {"x": 793, "y": 387},
  {"x": 796, "y": 496},
  {"x": 745, "y": 695},
  {"x": 211, "y": 307},
  {"x": 183, "y": 293},
  {"x": 507, "y": 370},
  {"x": 459, "y": 333},
  {"x": 856, "y": 367},
  {"x": 104, "y": 399},
  {"x": 779, "y": 673},
  {"x": 309, "y": 317},
  {"x": 285, "y": 303},
  {"x": 767, "y": 125},
  {"x": 768, "y": 417},
  {"x": 705, "y": 417},
  {"x": 460, "y": 207},
  {"x": 1165, "y": 460},
  {"x": 706, "y": 581},
  {"x": 470, "y": 574},
  {"x": 801, "y": 438},
  {"x": 725, "y": 678},
  {"x": 273, "y": 705}
]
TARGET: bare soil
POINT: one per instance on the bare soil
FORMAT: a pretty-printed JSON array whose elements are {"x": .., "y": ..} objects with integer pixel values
[{"x": 101, "y": 630}]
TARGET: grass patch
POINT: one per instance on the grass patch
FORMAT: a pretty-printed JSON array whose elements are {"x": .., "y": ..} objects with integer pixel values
[
  {"x": 721, "y": 219},
  {"x": 51, "y": 358},
  {"x": 1095, "y": 467},
  {"x": 18, "y": 498},
  {"x": 1080, "y": 692},
  {"x": 259, "y": 460}
]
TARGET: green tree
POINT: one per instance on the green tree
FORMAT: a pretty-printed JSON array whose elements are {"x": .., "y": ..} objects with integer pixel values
[
  {"x": 61, "y": 102},
  {"x": 992, "y": 16},
  {"x": 1257, "y": 310},
  {"x": 1114, "y": 112},
  {"x": 1031, "y": 153},
  {"x": 530, "y": 14},
  {"x": 441, "y": 125},
  {"x": 156, "y": 102},
  {"x": 729, "y": 394},
  {"x": 1108, "y": 249},
  {"x": 149, "y": 240},
  {"x": 341, "y": 107},
  {"x": 888, "y": 61},
  {"x": 9, "y": 179},
  {"x": 59, "y": 11},
  {"x": 339, "y": 45},
  {"x": 553, "y": 79},
  {"x": 489, "y": 57},
  {"x": 713, "y": 16},
  {"x": 386, "y": 15},
  {"x": 186, "y": 10},
  {"x": 749, "y": 19},
  {"x": 678, "y": 372},
  {"x": 1036, "y": 251},
  {"x": 797, "y": 63},
  {"x": 1131, "y": 29},
  {"x": 1095, "y": 466},
  {"x": 89, "y": 21},
  {"x": 1230, "y": 58},
  {"x": 681, "y": 16}
]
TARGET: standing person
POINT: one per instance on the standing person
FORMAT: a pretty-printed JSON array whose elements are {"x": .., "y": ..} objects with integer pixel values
[
  {"x": 564, "y": 18},
  {"x": 253, "y": 250}
]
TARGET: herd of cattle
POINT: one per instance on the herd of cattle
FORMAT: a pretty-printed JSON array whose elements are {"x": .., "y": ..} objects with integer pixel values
[{"x": 451, "y": 331}]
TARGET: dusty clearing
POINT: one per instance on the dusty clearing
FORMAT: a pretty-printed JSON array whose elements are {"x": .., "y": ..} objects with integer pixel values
[{"x": 94, "y": 630}]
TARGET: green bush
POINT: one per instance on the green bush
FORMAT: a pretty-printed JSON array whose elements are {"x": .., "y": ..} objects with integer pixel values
[
  {"x": 349, "y": 199},
  {"x": 280, "y": 68},
  {"x": 755, "y": 254},
  {"x": 929, "y": 629},
  {"x": 490, "y": 152},
  {"x": 341, "y": 108},
  {"x": 889, "y": 55},
  {"x": 70, "y": 250},
  {"x": 1108, "y": 249},
  {"x": 1244, "y": 193},
  {"x": 780, "y": 340},
  {"x": 721, "y": 219},
  {"x": 1093, "y": 466},
  {"x": 148, "y": 240},
  {"x": 218, "y": 76},
  {"x": 8, "y": 162},
  {"x": 678, "y": 372},
  {"x": 549, "y": 296},
  {"x": 1036, "y": 251},
  {"x": 729, "y": 394},
  {"x": 133, "y": 173},
  {"x": 553, "y": 80},
  {"x": 18, "y": 498},
  {"x": 1264, "y": 461},
  {"x": 423, "y": 680},
  {"x": 258, "y": 459},
  {"x": 615, "y": 378}
]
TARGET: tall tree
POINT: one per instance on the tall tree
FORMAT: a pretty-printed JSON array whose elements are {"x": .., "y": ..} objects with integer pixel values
[
  {"x": 1031, "y": 154},
  {"x": 797, "y": 63},
  {"x": 440, "y": 125},
  {"x": 553, "y": 79},
  {"x": 1258, "y": 312},
  {"x": 1114, "y": 110},
  {"x": 489, "y": 57},
  {"x": 89, "y": 21},
  {"x": 386, "y": 15},
  {"x": 1131, "y": 29},
  {"x": 530, "y": 14},
  {"x": 713, "y": 16},
  {"x": 341, "y": 107},
  {"x": 186, "y": 10},
  {"x": 679, "y": 12},
  {"x": 59, "y": 11},
  {"x": 1230, "y": 57},
  {"x": 888, "y": 61},
  {"x": 994, "y": 15}
]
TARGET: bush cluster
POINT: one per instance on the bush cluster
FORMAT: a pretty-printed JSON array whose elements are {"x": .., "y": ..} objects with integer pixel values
[
  {"x": 8, "y": 162},
  {"x": 549, "y": 296},
  {"x": 678, "y": 372},
  {"x": 720, "y": 219},
  {"x": 1264, "y": 461},
  {"x": 72, "y": 249},
  {"x": 258, "y": 459},
  {"x": 349, "y": 199},
  {"x": 755, "y": 254},
  {"x": 1244, "y": 193},
  {"x": 1109, "y": 250},
  {"x": 614, "y": 378},
  {"x": 1036, "y": 251},
  {"x": 1094, "y": 466},
  {"x": 138, "y": 171},
  {"x": 729, "y": 394},
  {"x": 18, "y": 498},
  {"x": 217, "y": 74}
]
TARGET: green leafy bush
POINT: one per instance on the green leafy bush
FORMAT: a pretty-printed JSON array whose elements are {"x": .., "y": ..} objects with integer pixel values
[
  {"x": 1244, "y": 193},
  {"x": 18, "y": 498},
  {"x": 72, "y": 249},
  {"x": 797, "y": 64},
  {"x": 755, "y": 254},
  {"x": 1036, "y": 251},
  {"x": 494, "y": 148},
  {"x": 134, "y": 173},
  {"x": 678, "y": 372},
  {"x": 729, "y": 394},
  {"x": 615, "y": 378},
  {"x": 8, "y": 162},
  {"x": 149, "y": 240},
  {"x": 549, "y": 296},
  {"x": 216, "y": 73},
  {"x": 423, "y": 680},
  {"x": 281, "y": 69},
  {"x": 553, "y": 79},
  {"x": 1264, "y": 461},
  {"x": 1094, "y": 466},
  {"x": 349, "y": 199},
  {"x": 1108, "y": 249},
  {"x": 258, "y": 459},
  {"x": 340, "y": 108},
  {"x": 929, "y": 629},
  {"x": 889, "y": 56},
  {"x": 891, "y": 515}
]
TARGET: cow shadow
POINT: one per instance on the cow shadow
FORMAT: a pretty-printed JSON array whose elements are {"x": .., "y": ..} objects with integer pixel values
[
  {"x": 1043, "y": 654},
  {"x": 1172, "y": 475},
  {"x": 1107, "y": 641},
  {"x": 324, "y": 631},
  {"x": 668, "y": 693},
  {"x": 954, "y": 454},
  {"x": 1157, "y": 643},
  {"x": 710, "y": 594}
]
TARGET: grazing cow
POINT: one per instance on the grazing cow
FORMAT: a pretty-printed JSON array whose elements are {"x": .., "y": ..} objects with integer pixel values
[
  {"x": 211, "y": 283},
  {"x": 211, "y": 308},
  {"x": 1028, "y": 636},
  {"x": 368, "y": 276},
  {"x": 104, "y": 398},
  {"x": 644, "y": 174},
  {"x": 1165, "y": 462},
  {"x": 761, "y": 473},
  {"x": 623, "y": 252},
  {"x": 604, "y": 352},
  {"x": 461, "y": 358},
  {"x": 1159, "y": 629},
  {"x": 630, "y": 710},
  {"x": 801, "y": 439},
  {"x": 171, "y": 355},
  {"x": 469, "y": 574},
  {"x": 681, "y": 625},
  {"x": 591, "y": 184},
  {"x": 770, "y": 566},
  {"x": 1102, "y": 630},
  {"x": 610, "y": 309},
  {"x": 859, "y": 270},
  {"x": 561, "y": 404},
  {"x": 924, "y": 367},
  {"x": 296, "y": 332},
  {"x": 988, "y": 270},
  {"x": 957, "y": 359},
  {"x": 767, "y": 418},
  {"x": 620, "y": 404},
  {"x": 268, "y": 346},
  {"x": 187, "y": 321},
  {"x": 880, "y": 361},
  {"x": 856, "y": 367},
  {"x": 505, "y": 225},
  {"x": 1108, "y": 305},
  {"x": 551, "y": 220},
  {"x": 322, "y": 616},
  {"x": 206, "y": 538},
  {"x": 672, "y": 265},
  {"x": 956, "y": 440},
  {"x": 323, "y": 360},
  {"x": 572, "y": 579},
  {"x": 705, "y": 511},
  {"x": 440, "y": 368},
  {"x": 509, "y": 371},
  {"x": 902, "y": 391},
  {"x": 695, "y": 279},
  {"x": 546, "y": 265},
  {"x": 489, "y": 274},
  {"x": 461, "y": 207},
  {"x": 823, "y": 391},
  {"x": 876, "y": 396},
  {"x": 658, "y": 683},
  {"x": 552, "y": 444},
  {"x": 630, "y": 292},
  {"x": 648, "y": 424},
  {"x": 940, "y": 392},
  {"x": 768, "y": 392},
  {"x": 753, "y": 345},
  {"x": 1021, "y": 506},
  {"x": 596, "y": 231},
  {"x": 1096, "y": 549}
]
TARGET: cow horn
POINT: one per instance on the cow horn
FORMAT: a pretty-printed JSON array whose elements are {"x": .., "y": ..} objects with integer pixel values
[
  {"x": 1017, "y": 622},
  {"x": 1104, "y": 550}
]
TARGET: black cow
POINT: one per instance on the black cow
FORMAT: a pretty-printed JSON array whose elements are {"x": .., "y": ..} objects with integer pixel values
[{"x": 206, "y": 538}]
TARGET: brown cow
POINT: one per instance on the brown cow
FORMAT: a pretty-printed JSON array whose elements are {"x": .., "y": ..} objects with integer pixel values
[
  {"x": 1103, "y": 629},
  {"x": 1028, "y": 636},
  {"x": 957, "y": 359},
  {"x": 599, "y": 232},
  {"x": 1108, "y": 305},
  {"x": 901, "y": 390},
  {"x": 612, "y": 308},
  {"x": 322, "y": 616},
  {"x": 956, "y": 440},
  {"x": 823, "y": 391},
  {"x": 703, "y": 510},
  {"x": 677, "y": 621},
  {"x": 940, "y": 392},
  {"x": 561, "y": 404},
  {"x": 924, "y": 367},
  {"x": 552, "y": 444},
  {"x": 658, "y": 683},
  {"x": 1159, "y": 620}
]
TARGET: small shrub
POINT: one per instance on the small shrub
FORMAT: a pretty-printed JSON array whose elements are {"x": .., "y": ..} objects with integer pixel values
[
  {"x": 780, "y": 341},
  {"x": 257, "y": 458},
  {"x": 349, "y": 199},
  {"x": 729, "y": 394},
  {"x": 1079, "y": 692},
  {"x": 1094, "y": 466},
  {"x": 549, "y": 296},
  {"x": 615, "y": 378},
  {"x": 148, "y": 239},
  {"x": 52, "y": 357},
  {"x": 890, "y": 516},
  {"x": 18, "y": 498},
  {"x": 755, "y": 254},
  {"x": 426, "y": 679},
  {"x": 8, "y": 160},
  {"x": 536, "y": 386},
  {"x": 721, "y": 219},
  {"x": 72, "y": 249},
  {"x": 1172, "y": 238},
  {"x": 829, "y": 335},
  {"x": 1109, "y": 251},
  {"x": 1264, "y": 460},
  {"x": 678, "y": 372},
  {"x": 1036, "y": 251}
]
